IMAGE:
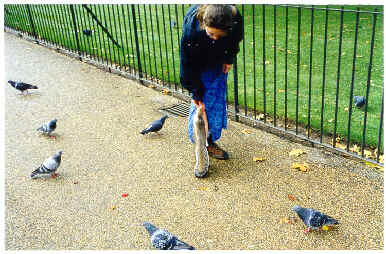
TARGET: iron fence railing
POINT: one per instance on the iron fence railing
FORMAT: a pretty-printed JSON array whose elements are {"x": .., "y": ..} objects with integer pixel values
[{"x": 297, "y": 72}]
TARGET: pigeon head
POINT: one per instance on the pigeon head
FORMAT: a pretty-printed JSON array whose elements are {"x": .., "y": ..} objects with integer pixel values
[
  {"x": 296, "y": 208},
  {"x": 11, "y": 82},
  {"x": 150, "y": 227},
  {"x": 59, "y": 152}
]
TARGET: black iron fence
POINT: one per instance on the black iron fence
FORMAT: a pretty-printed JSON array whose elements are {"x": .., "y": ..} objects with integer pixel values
[{"x": 300, "y": 70}]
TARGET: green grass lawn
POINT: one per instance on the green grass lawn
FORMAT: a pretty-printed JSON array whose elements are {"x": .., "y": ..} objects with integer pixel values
[{"x": 159, "y": 54}]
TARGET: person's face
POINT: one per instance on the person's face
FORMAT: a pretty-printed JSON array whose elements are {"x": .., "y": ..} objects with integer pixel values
[{"x": 214, "y": 33}]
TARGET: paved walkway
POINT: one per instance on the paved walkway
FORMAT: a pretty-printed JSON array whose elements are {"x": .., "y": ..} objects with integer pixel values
[{"x": 241, "y": 205}]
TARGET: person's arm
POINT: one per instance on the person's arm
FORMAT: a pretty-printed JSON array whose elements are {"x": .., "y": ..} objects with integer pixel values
[
  {"x": 190, "y": 73},
  {"x": 236, "y": 37}
]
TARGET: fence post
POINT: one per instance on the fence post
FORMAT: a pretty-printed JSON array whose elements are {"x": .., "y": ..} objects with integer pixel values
[
  {"x": 136, "y": 43},
  {"x": 32, "y": 23},
  {"x": 76, "y": 30},
  {"x": 235, "y": 88}
]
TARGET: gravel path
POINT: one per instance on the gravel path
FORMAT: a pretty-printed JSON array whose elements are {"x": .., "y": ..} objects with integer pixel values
[{"x": 240, "y": 206}]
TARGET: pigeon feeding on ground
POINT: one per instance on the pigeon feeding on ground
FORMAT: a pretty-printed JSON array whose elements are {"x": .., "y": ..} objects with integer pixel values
[
  {"x": 87, "y": 32},
  {"x": 49, "y": 166},
  {"x": 313, "y": 218},
  {"x": 21, "y": 86},
  {"x": 173, "y": 24},
  {"x": 155, "y": 126},
  {"x": 164, "y": 240},
  {"x": 47, "y": 128},
  {"x": 359, "y": 101}
]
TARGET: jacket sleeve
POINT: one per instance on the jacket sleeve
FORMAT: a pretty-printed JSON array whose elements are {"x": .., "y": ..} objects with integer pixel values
[
  {"x": 236, "y": 37},
  {"x": 190, "y": 71}
]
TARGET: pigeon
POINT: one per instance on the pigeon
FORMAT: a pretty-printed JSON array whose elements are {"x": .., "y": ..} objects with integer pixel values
[
  {"x": 359, "y": 101},
  {"x": 173, "y": 24},
  {"x": 49, "y": 166},
  {"x": 155, "y": 126},
  {"x": 87, "y": 32},
  {"x": 164, "y": 240},
  {"x": 21, "y": 86},
  {"x": 313, "y": 218},
  {"x": 47, "y": 128}
]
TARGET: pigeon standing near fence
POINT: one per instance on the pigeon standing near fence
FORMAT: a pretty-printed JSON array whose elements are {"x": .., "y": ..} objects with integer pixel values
[
  {"x": 164, "y": 240},
  {"x": 359, "y": 101},
  {"x": 155, "y": 126},
  {"x": 49, "y": 166},
  {"x": 87, "y": 32},
  {"x": 21, "y": 86},
  {"x": 47, "y": 128},
  {"x": 313, "y": 218}
]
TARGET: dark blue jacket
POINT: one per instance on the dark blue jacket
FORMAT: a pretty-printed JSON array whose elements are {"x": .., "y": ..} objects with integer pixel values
[{"x": 200, "y": 53}]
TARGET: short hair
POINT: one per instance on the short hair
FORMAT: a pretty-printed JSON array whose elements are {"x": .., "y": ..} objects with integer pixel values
[{"x": 216, "y": 15}]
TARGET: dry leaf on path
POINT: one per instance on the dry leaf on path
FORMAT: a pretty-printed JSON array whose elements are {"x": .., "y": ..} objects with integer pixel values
[
  {"x": 302, "y": 167},
  {"x": 204, "y": 188},
  {"x": 246, "y": 131},
  {"x": 256, "y": 159},
  {"x": 296, "y": 152},
  {"x": 291, "y": 197}
]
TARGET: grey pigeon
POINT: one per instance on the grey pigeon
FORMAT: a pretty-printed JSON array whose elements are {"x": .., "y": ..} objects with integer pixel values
[
  {"x": 87, "y": 32},
  {"x": 313, "y": 218},
  {"x": 164, "y": 240},
  {"x": 173, "y": 24},
  {"x": 155, "y": 126},
  {"x": 47, "y": 128},
  {"x": 21, "y": 86},
  {"x": 359, "y": 101},
  {"x": 49, "y": 166}
]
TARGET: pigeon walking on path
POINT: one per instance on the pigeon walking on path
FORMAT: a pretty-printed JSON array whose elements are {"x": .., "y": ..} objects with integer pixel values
[
  {"x": 359, "y": 101},
  {"x": 21, "y": 86},
  {"x": 164, "y": 240},
  {"x": 155, "y": 126},
  {"x": 313, "y": 218},
  {"x": 47, "y": 128},
  {"x": 49, "y": 166}
]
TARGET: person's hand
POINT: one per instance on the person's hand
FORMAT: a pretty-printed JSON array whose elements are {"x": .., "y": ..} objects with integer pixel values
[
  {"x": 199, "y": 104},
  {"x": 226, "y": 68}
]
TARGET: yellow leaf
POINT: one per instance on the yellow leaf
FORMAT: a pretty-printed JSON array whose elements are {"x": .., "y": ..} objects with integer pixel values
[
  {"x": 204, "y": 188},
  {"x": 325, "y": 228},
  {"x": 355, "y": 148},
  {"x": 267, "y": 62},
  {"x": 381, "y": 158},
  {"x": 281, "y": 90},
  {"x": 151, "y": 86},
  {"x": 341, "y": 146},
  {"x": 291, "y": 197},
  {"x": 372, "y": 165},
  {"x": 302, "y": 167},
  {"x": 246, "y": 131},
  {"x": 113, "y": 208},
  {"x": 368, "y": 154},
  {"x": 296, "y": 165},
  {"x": 260, "y": 116},
  {"x": 256, "y": 159},
  {"x": 165, "y": 91},
  {"x": 296, "y": 152},
  {"x": 346, "y": 109}
]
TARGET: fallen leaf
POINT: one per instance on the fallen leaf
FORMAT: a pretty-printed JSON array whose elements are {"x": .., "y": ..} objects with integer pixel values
[
  {"x": 165, "y": 91},
  {"x": 256, "y": 159},
  {"x": 281, "y": 90},
  {"x": 286, "y": 220},
  {"x": 204, "y": 188},
  {"x": 368, "y": 154},
  {"x": 260, "y": 116},
  {"x": 296, "y": 152},
  {"x": 292, "y": 198},
  {"x": 246, "y": 131},
  {"x": 355, "y": 148},
  {"x": 340, "y": 145},
  {"x": 372, "y": 165},
  {"x": 76, "y": 182},
  {"x": 113, "y": 208},
  {"x": 267, "y": 62},
  {"x": 302, "y": 167},
  {"x": 346, "y": 109},
  {"x": 151, "y": 86},
  {"x": 381, "y": 158},
  {"x": 125, "y": 195}
]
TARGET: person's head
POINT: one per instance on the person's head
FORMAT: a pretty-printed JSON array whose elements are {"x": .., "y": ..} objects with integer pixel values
[{"x": 216, "y": 19}]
